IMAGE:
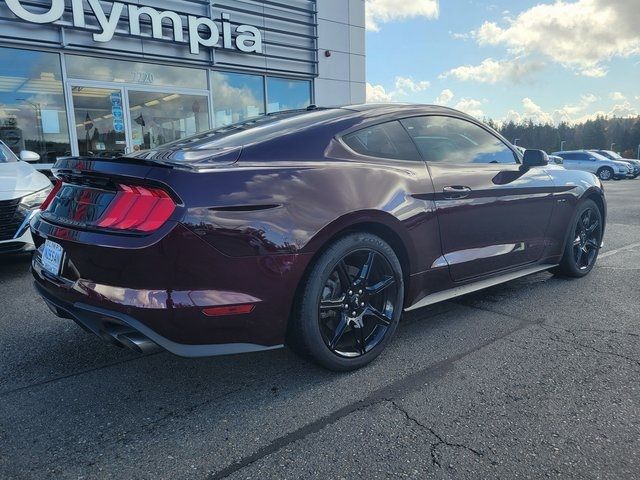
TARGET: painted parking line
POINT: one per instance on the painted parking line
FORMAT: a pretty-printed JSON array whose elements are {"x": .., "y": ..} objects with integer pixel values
[{"x": 620, "y": 250}]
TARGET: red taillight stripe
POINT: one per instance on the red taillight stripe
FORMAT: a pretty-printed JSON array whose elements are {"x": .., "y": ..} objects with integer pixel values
[
  {"x": 229, "y": 310},
  {"x": 119, "y": 207},
  {"x": 52, "y": 195},
  {"x": 139, "y": 209}
]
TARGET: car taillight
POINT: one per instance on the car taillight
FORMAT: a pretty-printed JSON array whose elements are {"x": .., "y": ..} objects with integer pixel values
[
  {"x": 52, "y": 195},
  {"x": 138, "y": 209}
]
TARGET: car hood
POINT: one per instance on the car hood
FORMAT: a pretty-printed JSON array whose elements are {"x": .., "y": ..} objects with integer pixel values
[
  {"x": 620, "y": 163},
  {"x": 18, "y": 179}
]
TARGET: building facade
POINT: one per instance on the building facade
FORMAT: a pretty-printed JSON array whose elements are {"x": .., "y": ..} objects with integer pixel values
[{"x": 102, "y": 78}]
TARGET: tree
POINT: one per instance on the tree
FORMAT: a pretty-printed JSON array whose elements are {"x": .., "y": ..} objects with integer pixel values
[{"x": 598, "y": 133}]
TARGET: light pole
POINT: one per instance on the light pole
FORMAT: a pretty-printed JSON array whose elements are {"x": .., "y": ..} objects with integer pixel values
[
  {"x": 515, "y": 142},
  {"x": 562, "y": 145}
]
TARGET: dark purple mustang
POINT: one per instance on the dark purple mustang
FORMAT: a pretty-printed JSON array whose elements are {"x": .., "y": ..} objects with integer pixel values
[{"x": 314, "y": 229}]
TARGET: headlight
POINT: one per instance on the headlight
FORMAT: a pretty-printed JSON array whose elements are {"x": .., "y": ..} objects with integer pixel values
[{"x": 34, "y": 200}]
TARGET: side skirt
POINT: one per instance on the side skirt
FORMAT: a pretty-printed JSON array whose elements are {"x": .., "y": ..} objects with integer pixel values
[{"x": 474, "y": 287}]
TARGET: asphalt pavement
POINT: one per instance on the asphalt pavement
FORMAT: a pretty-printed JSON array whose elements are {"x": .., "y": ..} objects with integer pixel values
[{"x": 536, "y": 378}]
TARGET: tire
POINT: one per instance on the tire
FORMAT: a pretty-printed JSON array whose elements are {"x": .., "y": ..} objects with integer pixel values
[
  {"x": 606, "y": 173},
  {"x": 583, "y": 242},
  {"x": 344, "y": 339}
]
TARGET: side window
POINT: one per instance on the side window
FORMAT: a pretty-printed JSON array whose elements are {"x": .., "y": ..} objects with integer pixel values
[
  {"x": 388, "y": 140},
  {"x": 452, "y": 140}
]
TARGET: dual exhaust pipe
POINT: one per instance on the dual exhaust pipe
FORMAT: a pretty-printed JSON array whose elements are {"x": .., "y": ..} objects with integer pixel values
[{"x": 132, "y": 340}]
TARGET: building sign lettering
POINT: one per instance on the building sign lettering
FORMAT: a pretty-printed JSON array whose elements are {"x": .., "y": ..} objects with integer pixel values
[{"x": 202, "y": 31}]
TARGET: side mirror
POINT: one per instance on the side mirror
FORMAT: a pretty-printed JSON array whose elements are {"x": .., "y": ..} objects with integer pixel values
[
  {"x": 535, "y": 158},
  {"x": 27, "y": 156}
]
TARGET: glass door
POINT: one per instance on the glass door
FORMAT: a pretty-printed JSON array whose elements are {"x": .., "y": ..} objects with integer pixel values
[
  {"x": 99, "y": 121},
  {"x": 113, "y": 120}
]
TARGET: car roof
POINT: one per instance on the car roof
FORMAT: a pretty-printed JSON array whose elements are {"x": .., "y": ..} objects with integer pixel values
[{"x": 404, "y": 109}]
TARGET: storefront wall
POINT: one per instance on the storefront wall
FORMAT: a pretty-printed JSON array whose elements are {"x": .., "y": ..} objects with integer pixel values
[{"x": 77, "y": 82}]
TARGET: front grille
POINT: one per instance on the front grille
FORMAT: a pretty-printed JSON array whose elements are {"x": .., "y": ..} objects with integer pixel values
[{"x": 10, "y": 218}]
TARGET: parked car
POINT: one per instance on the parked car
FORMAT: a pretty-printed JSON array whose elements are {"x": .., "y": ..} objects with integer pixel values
[
  {"x": 603, "y": 167},
  {"x": 22, "y": 190},
  {"x": 557, "y": 160},
  {"x": 314, "y": 229},
  {"x": 617, "y": 157}
]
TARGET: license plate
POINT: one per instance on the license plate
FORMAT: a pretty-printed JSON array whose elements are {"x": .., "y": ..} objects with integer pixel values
[{"x": 52, "y": 257}]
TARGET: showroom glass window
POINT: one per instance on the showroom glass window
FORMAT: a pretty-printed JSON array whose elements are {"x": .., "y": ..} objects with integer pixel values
[
  {"x": 456, "y": 141},
  {"x": 159, "y": 118},
  {"x": 236, "y": 97},
  {"x": 137, "y": 73},
  {"x": 286, "y": 94},
  {"x": 32, "y": 108}
]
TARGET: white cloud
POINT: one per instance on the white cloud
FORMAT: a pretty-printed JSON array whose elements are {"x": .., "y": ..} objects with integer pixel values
[
  {"x": 493, "y": 71},
  {"x": 572, "y": 113},
  {"x": 471, "y": 107},
  {"x": 405, "y": 86},
  {"x": 445, "y": 97},
  {"x": 580, "y": 35},
  {"x": 617, "y": 96},
  {"x": 623, "y": 110},
  {"x": 377, "y": 94},
  {"x": 383, "y": 11}
]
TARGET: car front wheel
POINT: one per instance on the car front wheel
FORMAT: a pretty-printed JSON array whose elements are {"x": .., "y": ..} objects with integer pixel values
[
  {"x": 605, "y": 173},
  {"x": 583, "y": 244},
  {"x": 351, "y": 303}
]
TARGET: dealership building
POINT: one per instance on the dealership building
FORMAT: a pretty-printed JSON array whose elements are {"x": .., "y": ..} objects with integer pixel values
[{"x": 102, "y": 78}]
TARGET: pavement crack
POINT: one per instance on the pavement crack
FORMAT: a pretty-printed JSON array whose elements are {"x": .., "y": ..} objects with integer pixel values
[
  {"x": 440, "y": 439},
  {"x": 395, "y": 390},
  {"x": 574, "y": 343},
  {"x": 594, "y": 330}
]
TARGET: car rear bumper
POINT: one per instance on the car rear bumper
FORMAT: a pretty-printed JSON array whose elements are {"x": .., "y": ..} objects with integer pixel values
[
  {"x": 125, "y": 331},
  {"x": 158, "y": 294}
]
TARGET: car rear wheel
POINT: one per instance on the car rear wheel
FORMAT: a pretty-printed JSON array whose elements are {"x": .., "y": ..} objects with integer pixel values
[
  {"x": 605, "y": 173},
  {"x": 351, "y": 303},
  {"x": 583, "y": 245}
]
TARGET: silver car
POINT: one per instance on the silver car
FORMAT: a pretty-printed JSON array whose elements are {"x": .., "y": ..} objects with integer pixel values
[
  {"x": 595, "y": 163},
  {"x": 618, "y": 158},
  {"x": 22, "y": 191}
]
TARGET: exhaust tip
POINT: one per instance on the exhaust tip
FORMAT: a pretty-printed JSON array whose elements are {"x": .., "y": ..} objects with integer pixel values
[{"x": 137, "y": 342}]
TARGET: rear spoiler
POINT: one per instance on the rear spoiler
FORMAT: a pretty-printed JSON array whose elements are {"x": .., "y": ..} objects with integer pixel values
[{"x": 140, "y": 163}]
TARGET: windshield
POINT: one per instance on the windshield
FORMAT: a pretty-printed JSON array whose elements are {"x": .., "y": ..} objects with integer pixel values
[
  {"x": 612, "y": 155},
  {"x": 6, "y": 155}
]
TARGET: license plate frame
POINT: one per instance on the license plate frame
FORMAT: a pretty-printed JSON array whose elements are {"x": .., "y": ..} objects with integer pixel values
[{"x": 51, "y": 258}]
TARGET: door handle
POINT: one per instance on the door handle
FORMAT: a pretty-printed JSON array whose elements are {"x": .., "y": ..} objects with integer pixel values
[{"x": 456, "y": 192}]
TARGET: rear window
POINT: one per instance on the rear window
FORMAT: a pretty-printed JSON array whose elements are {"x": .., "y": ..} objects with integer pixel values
[
  {"x": 257, "y": 130},
  {"x": 388, "y": 140}
]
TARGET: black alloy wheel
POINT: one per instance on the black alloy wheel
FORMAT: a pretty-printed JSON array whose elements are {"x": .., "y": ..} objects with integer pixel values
[
  {"x": 587, "y": 239},
  {"x": 358, "y": 303},
  {"x": 583, "y": 243},
  {"x": 351, "y": 303}
]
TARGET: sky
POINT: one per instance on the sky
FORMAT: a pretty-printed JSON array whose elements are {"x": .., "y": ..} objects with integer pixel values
[{"x": 545, "y": 60}]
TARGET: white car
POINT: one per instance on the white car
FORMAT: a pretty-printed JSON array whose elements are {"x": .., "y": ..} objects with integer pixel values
[{"x": 22, "y": 191}]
